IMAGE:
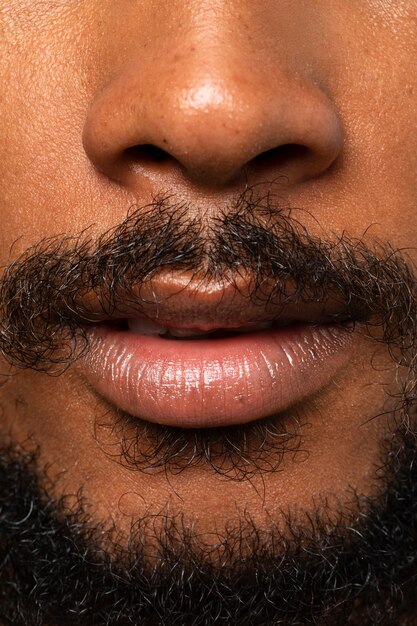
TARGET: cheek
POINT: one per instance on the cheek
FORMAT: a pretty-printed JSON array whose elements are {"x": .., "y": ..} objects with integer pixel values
[
  {"x": 373, "y": 82},
  {"x": 47, "y": 183}
]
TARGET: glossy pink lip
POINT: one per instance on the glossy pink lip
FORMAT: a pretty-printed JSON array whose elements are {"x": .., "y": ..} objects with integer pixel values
[{"x": 214, "y": 382}]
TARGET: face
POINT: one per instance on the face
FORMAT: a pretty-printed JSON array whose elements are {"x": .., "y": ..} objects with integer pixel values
[{"x": 207, "y": 311}]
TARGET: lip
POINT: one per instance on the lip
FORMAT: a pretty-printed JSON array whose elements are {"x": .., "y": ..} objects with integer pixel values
[
  {"x": 185, "y": 300},
  {"x": 214, "y": 382}
]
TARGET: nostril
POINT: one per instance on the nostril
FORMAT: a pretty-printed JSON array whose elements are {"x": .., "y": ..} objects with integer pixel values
[
  {"x": 147, "y": 154},
  {"x": 291, "y": 161},
  {"x": 280, "y": 159},
  {"x": 281, "y": 154}
]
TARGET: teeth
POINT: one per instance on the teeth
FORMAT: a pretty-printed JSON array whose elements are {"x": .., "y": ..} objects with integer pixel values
[
  {"x": 187, "y": 332},
  {"x": 145, "y": 327}
]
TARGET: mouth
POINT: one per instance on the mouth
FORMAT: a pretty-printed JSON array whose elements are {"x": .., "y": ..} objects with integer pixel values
[{"x": 198, "y": 359}]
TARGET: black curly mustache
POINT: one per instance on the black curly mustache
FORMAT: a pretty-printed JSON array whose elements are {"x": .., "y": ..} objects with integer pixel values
[
  {"x": 43, "y": 314},
  {"x": 42, "y": 311}
]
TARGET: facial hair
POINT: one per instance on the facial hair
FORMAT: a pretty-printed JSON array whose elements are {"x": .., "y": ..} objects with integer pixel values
[{"x": 58, "y": 566}]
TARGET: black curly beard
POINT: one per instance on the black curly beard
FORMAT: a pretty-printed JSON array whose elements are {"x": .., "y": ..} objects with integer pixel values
[
  {"x": 57, "y": 566},
  {"x": 331, "y": 569}
]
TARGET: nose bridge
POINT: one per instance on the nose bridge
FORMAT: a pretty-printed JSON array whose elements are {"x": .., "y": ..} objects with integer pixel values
[
  {"x": 215, "y": 88},
  {"x": 200, "y": 62},
  {"x": 206, "y": 103}
]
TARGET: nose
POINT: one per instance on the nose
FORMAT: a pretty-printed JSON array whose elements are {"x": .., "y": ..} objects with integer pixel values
[{"x": 211, "y": 115}]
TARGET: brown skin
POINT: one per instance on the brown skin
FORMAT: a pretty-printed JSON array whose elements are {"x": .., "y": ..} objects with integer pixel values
[{"x": 215, "y": 84}]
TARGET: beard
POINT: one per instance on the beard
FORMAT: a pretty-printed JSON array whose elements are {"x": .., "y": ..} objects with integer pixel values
[{"x": 328, "y": 566}]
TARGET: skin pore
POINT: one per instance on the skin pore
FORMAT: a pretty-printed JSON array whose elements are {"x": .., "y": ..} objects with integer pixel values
[{"x": 180, "y": 131}]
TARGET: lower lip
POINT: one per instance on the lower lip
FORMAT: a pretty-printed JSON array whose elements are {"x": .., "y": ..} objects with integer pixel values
[{"x": 214, "y": 382}]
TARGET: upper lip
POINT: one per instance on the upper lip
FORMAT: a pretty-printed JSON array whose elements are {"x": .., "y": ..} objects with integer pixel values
[{"x": 183, "y": 301}]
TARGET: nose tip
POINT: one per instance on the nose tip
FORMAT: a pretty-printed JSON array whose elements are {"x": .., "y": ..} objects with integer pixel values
[{"x": 211, "y": 131}]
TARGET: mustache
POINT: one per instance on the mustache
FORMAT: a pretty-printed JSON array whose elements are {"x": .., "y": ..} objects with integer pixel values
[
  {"x": 43, "y": 294},
  {"x": 46, "y": 306}
]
